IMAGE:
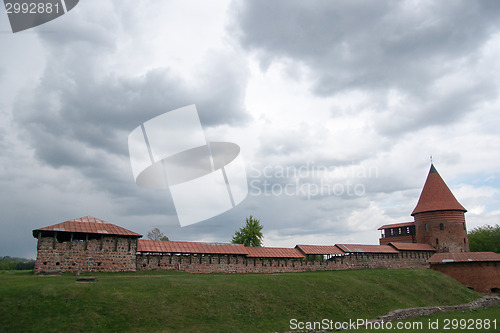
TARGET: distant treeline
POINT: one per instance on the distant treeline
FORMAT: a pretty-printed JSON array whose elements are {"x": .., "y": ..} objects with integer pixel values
[{"x": 13, "y": 263}]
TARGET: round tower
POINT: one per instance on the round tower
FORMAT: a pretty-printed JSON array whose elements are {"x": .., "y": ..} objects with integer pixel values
[{"x": 439, "y": 217}]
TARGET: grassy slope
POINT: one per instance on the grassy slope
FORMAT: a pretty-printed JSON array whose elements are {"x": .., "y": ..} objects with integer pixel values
[{"x": 181, "y": 302}]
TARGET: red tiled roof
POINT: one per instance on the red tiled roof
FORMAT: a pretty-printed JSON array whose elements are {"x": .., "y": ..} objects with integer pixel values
[
  {"x": 89, "y": 225},
  {"x": 436, "y": 195},
  {"x": 319, "y": 249},
  {"x": 273, "y": 252},
  {"x": 412, "y": 246},
  {"x": 190, "y": 247},
  {"x": 361, "y": 248},
  {"x": 397, "y": 225},
  {"x": 444, "y": 258}
]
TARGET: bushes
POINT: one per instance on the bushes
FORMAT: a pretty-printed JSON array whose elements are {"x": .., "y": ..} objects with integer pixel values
[{"x": 13, "y": 263}]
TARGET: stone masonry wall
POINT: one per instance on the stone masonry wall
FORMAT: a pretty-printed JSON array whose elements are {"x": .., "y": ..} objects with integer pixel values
[
  {"x": 241, "y": 264},
  {"x": 109, "y": 254}
]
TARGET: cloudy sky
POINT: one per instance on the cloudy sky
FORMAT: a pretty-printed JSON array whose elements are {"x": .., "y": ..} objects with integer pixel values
[{"x": 336, "y": 105}]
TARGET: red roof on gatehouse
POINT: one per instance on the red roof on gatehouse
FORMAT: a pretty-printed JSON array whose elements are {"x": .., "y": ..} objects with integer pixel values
[{"x": 88, "y": 225}]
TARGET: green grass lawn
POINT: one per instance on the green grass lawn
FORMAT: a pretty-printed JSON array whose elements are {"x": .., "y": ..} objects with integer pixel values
[{"x": 172, "y": 301}]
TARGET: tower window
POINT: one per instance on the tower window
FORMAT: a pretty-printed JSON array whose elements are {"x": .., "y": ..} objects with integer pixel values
[
  {"x": 426, "y": 228},
  {"x": 441, "y": 226}
]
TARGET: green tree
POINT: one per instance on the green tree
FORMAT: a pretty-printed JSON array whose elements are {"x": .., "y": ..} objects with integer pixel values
[
  {"x": 156, "y": 234},
  {"x": 250, "y": 234},
  {"x": 485, "y": 239}
]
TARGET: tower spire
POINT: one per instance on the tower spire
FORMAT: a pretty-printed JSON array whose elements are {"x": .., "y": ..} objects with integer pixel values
[{"x": 436, "y": 196}]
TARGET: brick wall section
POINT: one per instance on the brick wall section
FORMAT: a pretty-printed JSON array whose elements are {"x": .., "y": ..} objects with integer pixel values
[
  {"x": 241, "y": 264},
  {"x": 453, "y": 238},
  {"x": 397, "y": 239},
  {"x": 480, "y": 276},
  {"x": 72, "y": 256}
]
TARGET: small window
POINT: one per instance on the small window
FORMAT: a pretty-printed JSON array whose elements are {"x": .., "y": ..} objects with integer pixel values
[
  {"x": 426, "y": 228},
  {"x": 437, "y": 241},
  {"x": 441, "y": 226},
  {"x": 465, "y": 242}
]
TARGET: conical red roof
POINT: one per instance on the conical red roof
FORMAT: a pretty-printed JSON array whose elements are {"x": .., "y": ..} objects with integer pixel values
[{"x": 436, "y": 195}]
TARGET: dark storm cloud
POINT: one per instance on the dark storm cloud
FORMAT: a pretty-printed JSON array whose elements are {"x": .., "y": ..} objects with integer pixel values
[
  {"x": 80, "y": 119},
  {"x": 377, "y": 47},
  {"x": 101, "y": 115}
]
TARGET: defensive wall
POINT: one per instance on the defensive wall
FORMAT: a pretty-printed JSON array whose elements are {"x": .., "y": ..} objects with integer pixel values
[{"x": 197, "y": 263}]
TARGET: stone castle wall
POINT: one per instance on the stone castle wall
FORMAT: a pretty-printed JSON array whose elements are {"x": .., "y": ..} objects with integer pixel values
[
  {"x": 242, "y": 264},
  {"x": 106, "y": 254}
]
